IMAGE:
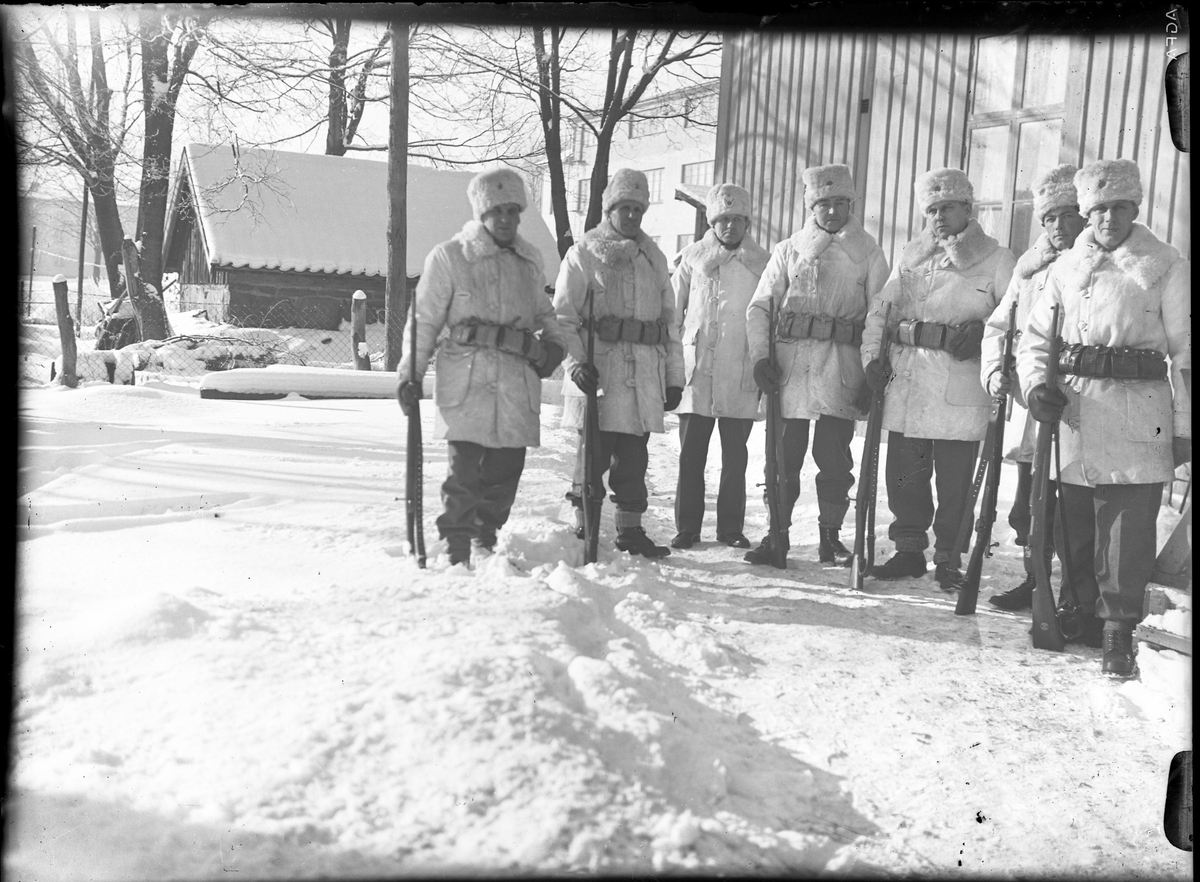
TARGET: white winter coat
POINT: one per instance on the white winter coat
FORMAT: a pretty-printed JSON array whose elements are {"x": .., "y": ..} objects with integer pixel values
[
  {"x": 932, "y": 394},
  {"x": 1136, "y": 296},
  {"x": 483, "y": 395},
  {"x": 1028, "y": 283},
  {"x": 713, "y": 285},
  {"x": 834, "y": 274},
  {"x": 630, "y": 279}
]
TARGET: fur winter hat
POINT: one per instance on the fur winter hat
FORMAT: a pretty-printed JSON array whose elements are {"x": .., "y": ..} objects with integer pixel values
[
  {"x": 827, "y": 182},
  {"x": 727, "y": 199},
  {"x": 1108, "y": 180},
  {"x": 627, "y": 185},
  {"x": 1054, "y": 189},
  {"x": 498, "y": 186},
  {"x": 943, "y": 185}
]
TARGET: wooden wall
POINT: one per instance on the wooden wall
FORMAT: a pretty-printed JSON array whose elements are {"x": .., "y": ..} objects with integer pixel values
[{"x": 791, "y": 100}]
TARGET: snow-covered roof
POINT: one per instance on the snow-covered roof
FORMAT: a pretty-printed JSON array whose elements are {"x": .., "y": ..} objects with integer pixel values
[{"x": 301, "y": 212}]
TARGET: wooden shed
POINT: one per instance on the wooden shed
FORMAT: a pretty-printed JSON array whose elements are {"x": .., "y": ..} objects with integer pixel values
[
  {"x": 270, "y": 238},
  {"x": 1004, "y": 107}
]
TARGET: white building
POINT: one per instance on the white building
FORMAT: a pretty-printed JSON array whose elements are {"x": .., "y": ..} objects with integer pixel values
[{"x": 672, "y": 138}]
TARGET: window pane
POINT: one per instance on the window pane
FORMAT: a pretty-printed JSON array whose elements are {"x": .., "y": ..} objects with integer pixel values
[
  {"x": 699, "y": 173},
  {"x": 1046, "y": 71},
  {"x": 995, "y": 73},
  {"x": 682, "y": 242},
  {"x": 987, "y": 161},
  {"x": 654, "y": 177},
  {"x": 1037, "y": 152},
  {"x": 989, "y": 218},
  {"x": 1024, "y": 230}
]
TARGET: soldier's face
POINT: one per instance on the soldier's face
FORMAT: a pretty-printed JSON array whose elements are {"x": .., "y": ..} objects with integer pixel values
[
  {"x": 730, "y": 229},
  {"x": 626, "y": 218},
  {"x": 1063, "y": 226},
  {"x": 948, "y": 218},
  {"x": 502, "y": 222},
  {"x": 832, "y": 214},
  {"x": 1113, "y": 221}
]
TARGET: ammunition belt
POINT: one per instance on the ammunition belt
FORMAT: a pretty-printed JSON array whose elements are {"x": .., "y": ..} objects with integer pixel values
[
  {"x": 810, "y": 326},
  {"x": 514, "y": 341},
  {"x": 927, "y": 335},
  {"x": 1110, "y": 362},
  {"x": 611, "y": 329}
]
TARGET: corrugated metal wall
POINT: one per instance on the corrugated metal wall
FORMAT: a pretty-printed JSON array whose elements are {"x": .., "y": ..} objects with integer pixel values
[{"x": 792, "y": 100}]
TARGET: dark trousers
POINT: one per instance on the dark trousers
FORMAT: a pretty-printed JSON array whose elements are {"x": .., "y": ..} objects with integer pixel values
[
  {"x": 913, "y": 466},
  {"x": 695, "y": 431},
  {"x": 835, "y": 466},
  {"x": 1110, "y": 533},
  {"x": 479, "y": 490},
  {"x": 624, "y": 458}
]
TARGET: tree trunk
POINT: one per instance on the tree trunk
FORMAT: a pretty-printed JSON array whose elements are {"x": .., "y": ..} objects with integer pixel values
[
  {"x": 396, "y": 292},
  {"x": 550, "y": 110},
  {"x": 335, "y": 138}
]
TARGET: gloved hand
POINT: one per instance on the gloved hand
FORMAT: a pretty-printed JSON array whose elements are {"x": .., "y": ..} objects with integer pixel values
[
  {"x": 877, "y": 377},
  {"x": 674, "y": 396},
  {"x": 766, "y": 375},
  {"x": 999, "y": 384},
  {"x": 408, "y": 394},
  {"x": 965, "y": 342},
  {"x": 586, "y": 377},
  {"x": 1181, "y": 450},
  {"x": 552, "y": 358},
  {"x": 1046, "y": 404}
]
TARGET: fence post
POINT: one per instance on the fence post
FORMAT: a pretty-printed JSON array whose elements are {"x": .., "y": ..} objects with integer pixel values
[
  {"x": 66, "y": 332},
  {"x": 358, "y": 331}
]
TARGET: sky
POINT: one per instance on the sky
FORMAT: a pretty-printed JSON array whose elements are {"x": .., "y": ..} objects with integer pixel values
[{"x": 228, "y": 662}]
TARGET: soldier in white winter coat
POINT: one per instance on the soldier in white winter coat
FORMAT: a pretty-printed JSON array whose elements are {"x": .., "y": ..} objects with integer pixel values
[
  {"x": 821, "y": 280},
  {"x": 944, "y": 287},
  {"x": 486, "y": 288},
  {"x": 638, "y": 360},
  {"x": 1122, "y": 394},
  {"x": 713, "y": 285},
  {"x": 1056, "y": 209}
]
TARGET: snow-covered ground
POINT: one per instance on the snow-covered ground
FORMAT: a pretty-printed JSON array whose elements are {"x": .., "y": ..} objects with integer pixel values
[{"x": 228, "y": 663}]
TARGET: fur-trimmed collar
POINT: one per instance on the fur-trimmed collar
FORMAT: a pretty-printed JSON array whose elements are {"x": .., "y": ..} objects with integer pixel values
[
  {"x": 709, "y": 255},
  {"x": 477, "y": 243},
  {"x": 611, "y": 248},
  {"x": 1142, "y": 256},
  {"x": 1037, "y": 258},
  {"x": 811, "y": 240},
  {"x": 965, "y": 250}
]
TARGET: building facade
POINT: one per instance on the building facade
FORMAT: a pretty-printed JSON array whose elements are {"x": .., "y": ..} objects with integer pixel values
[
  {"x": 1004, "y": 108},
  {"x": 671, "y": 138}
]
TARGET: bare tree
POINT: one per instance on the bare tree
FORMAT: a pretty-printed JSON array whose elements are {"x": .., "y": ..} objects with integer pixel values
[{"x": 554, "y": 68}]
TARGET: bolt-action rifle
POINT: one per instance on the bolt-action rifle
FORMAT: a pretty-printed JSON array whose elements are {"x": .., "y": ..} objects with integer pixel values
[
  {"x": 868, "y": 476},
  {"x": 990, "y": 459},
  {"x": 776, "y": 489},
  {"x": 415, "y": 458},
  {"x": 1046, "y": 632},
  {"x": 593, "y": 490}
]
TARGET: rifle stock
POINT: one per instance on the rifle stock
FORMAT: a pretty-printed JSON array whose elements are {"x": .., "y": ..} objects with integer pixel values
[
  {"x": 993, "y": 455},
  {"x": 591, "y": 452},
  {"x": 868, "y": 478},
  {"x": 415, "y": 459},
  {"x": 1046, "y": 633},
  {"x": 776, "y": 480}
]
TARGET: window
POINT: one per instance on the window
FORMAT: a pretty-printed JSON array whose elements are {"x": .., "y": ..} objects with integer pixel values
[
  {"x": 582, "y": 191},
  {"x": 682, "y": 242},
  {"x": 639, "y": 127},
  {"x": 654, "y": 178},
  {"x": 1020, "y": 88},
  {"x": 583, "y": 144},
  {"x": 700, "y": 173}
]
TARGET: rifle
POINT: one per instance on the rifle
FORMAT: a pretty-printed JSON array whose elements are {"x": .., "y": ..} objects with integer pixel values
[
  {"x": 990, "y": 458},
  {"x": 1046, "y": 633},
  {"x": 776, "y": 480},
  {"x": 592, "y": 500},
  {"x": 1070, "y": 623},
  {"x": 415, "y": 456},
  {"x": 868, "y": 477}
]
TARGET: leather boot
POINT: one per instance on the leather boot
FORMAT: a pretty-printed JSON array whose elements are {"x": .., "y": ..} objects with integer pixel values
[
  {"x": 902, "y": 565},
  {"x": 831, "y": 549},
  {"x": 1118, "y": 659}
]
